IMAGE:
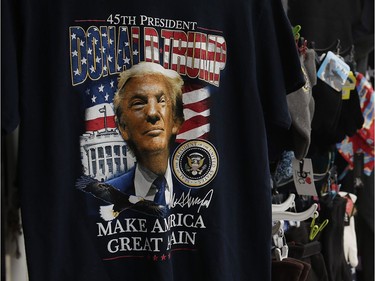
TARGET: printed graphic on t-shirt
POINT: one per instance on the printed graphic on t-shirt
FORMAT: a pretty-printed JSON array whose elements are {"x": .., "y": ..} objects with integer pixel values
[{"x": 147, "y": 158}]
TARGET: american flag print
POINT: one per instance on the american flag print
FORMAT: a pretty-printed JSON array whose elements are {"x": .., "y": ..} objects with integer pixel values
[
  {"x": 98, "y": 98},
  {"x": 136, "y": 51},
  {"x": 196, "y": 104}
]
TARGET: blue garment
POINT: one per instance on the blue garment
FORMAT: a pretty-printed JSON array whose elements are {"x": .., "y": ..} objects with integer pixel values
[{"x": 62, "y": 62}]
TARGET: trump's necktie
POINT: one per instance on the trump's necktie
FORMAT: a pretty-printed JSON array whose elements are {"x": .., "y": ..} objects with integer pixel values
[{"x": 160, "y": 184}]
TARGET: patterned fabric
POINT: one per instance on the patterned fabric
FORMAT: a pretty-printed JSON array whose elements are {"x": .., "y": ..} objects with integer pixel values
[
  {"x": 284, "y": 171},
  {"x": 363, "y": 140}
]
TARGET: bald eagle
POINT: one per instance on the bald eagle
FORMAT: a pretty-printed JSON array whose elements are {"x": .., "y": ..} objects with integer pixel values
[{"x": 118, "y": 200}]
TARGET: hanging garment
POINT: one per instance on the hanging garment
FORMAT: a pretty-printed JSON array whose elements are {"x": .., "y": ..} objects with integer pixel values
[
  {"x": 302, "y": 106},
  {"x": 308, "y": 251},
  {"x": 63, "y": 59},
  {"x": 290, "y": 269},
  {"x": 334, "y": 118},
  {"x": 333, "y": 209},
  {"x": 323, "y": 26},
  {"x": 351, "y": 118},
  {"x": 364, "y": 218},
  {"x": 328, "y": 106}
]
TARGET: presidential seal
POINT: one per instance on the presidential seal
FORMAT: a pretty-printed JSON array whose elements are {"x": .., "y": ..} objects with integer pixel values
[{"x": 195, "y": 163}]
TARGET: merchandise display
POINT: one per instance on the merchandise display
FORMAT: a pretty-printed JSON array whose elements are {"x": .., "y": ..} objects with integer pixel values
[
  {"x": 202, "y": 141},
  {"x": 98, "y": 88}
]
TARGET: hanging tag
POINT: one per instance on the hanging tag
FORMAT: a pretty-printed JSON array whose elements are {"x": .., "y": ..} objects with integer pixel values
[
  {"x": 303, "y": 177},
  {"x": 349, "y": 86},
  {"x": 333, "y": 71}
]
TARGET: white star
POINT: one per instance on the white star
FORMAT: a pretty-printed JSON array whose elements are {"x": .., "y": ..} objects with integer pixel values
[
  {"x": 88, "y": 34},
  {"x": 83, "y": 60},
  {"x": 111, "y": 83},
  {"x": 106, "y": 96},
  {"x": 135, "y": 52},
  {"x": 103, "y": 49},
  {"x": 93, "y": 99},
  {"x": 97, "y": 59},
  {"x": 75, "y": 53},
  {"x": 92, "y": 69},
  {"x": 87, "y": 91},
  {"x": 101, "y": 88},
  {"x": 123, "y": 29},
  {"x": 73, "y": 36},
  {"x": 89, "y": 51},
  {"x": 105, "y": 68},
  {"x": 126, "y": 44},
  {"x": 110, "y": 41},
  {"x": 94, "y": 41},
  {"x": 104, "y": 34},
  {"x": 110, "y": 58},
  {"x": 119, "y": 51},
  {"x": 82, "y": 43},
  {"x": 126, "y": 60},
  {"x": 118, "y": 68},
  {"x": 76, "y": 72}
]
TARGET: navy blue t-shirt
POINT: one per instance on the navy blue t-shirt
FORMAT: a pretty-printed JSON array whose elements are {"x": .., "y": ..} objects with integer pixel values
[{"x": 61, "y": 61}]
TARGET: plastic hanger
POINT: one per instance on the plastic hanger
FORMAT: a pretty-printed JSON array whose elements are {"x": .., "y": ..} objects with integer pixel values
[
  {"x": 291, "y": 216},
  {"x": 288, "y": 203},
  {"x": 276, "y": 227},
  {"x": 281, "y": 247},
  {"x": 281, "y": 253}
]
